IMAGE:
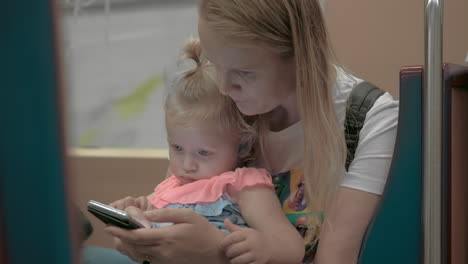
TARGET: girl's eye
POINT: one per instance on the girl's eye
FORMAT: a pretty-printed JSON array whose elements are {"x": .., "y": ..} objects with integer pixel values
[
  {"x": 177, "y": 148},
  {"x": 204, "y": 153}
]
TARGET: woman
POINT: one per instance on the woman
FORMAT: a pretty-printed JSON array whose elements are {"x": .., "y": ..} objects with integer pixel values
[{"x": 274, "y": 59}]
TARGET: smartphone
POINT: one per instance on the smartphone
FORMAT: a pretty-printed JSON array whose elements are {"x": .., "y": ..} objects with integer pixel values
[{"x": 112, "y": 216}]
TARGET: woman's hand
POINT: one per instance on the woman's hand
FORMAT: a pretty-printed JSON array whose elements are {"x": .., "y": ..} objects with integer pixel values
[
  {"x": 192, "y": 239},
  {"x": 141, "y": 203},
  {"x": 347, "y": 221}
]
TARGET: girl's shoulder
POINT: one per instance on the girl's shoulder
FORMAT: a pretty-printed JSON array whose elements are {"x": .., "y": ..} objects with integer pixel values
[{"x": 250, "y": 176}]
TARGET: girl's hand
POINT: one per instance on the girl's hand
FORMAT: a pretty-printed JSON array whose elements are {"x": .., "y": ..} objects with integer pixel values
[
  {"x": 141, "y": 203},
  {"x": 244, "y": 245},
  {"x": 192, "y": 239}
]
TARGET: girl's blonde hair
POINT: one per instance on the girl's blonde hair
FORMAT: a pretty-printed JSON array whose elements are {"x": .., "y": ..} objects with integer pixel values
[
  {"x": 295, "y": 28},
  {"x": 194, "y": 100}
]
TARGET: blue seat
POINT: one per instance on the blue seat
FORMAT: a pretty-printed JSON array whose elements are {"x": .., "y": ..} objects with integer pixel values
[
  {"x": 35, "y": 225},
  {"x": 396, "y": 233}
]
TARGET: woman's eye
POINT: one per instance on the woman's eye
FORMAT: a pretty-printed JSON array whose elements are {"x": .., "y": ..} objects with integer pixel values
[
  {"x": 204, "y": 153},
  {"x": 245, "y": 73}
]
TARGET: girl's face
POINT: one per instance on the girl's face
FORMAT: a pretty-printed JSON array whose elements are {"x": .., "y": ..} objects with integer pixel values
[
  {"x": 200, "y": 152},
  {"x": 254, "y": 76}
]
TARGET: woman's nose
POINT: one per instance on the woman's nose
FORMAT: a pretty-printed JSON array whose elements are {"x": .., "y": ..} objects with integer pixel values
[
  {"x": 225, "y": 83},
  {"x": 228, "y": 87}
]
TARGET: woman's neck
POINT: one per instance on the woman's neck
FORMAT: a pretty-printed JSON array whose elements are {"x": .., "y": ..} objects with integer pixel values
[{"x": 284, "y": 115}]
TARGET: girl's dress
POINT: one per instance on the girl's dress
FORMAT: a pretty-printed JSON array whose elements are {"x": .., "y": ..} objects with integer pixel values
[{"x": 208, "y": 197}]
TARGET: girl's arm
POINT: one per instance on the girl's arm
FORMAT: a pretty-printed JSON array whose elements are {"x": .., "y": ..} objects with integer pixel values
[
  {"x": 141, "y": 203},
  {"x": 271, "y": 238},
  {"x": 345, "y": 225},
  {"x": 138, "y": 202}
]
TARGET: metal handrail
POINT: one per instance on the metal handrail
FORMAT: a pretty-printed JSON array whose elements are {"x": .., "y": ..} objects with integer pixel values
[{"x": 433, "y": 132}]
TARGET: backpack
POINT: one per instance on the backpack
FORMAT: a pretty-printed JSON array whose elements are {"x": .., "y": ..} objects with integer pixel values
[{"x": 360, "y": 101}]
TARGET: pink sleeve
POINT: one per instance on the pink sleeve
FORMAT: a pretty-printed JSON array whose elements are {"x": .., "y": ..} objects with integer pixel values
[{"x": 247, "y": 177}]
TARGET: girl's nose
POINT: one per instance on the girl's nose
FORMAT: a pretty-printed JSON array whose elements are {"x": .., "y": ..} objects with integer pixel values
[{"x": 190, "y": 165}]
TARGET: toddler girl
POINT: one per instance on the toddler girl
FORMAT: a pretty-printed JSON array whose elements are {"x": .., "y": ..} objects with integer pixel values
[{"x": 210, "y": 146}]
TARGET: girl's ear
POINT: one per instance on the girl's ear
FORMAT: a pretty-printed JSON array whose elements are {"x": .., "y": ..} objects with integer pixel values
[{"x": 243, "y": 146}]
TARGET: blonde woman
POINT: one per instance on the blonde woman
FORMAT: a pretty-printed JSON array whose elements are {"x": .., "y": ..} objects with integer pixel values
[{"x": 274, "y": 59}]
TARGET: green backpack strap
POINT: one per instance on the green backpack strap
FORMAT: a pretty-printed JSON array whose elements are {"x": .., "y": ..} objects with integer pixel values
[{"x": 361, "y": 100}]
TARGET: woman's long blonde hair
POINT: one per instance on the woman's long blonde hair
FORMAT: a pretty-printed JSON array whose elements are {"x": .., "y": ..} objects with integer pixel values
[
  {"x": 295, "y": 28},
  {"x": 194, "y": 99}
]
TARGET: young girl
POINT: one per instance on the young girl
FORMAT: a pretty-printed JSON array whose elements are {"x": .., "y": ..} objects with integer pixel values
[{"x": 210, "y": 144}]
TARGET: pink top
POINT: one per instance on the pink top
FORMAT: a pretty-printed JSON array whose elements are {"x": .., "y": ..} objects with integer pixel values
[{"x": 170, "y": 191}]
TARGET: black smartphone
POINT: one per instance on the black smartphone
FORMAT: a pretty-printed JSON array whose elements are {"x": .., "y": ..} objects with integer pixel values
[{"x": 112, "y": 216}]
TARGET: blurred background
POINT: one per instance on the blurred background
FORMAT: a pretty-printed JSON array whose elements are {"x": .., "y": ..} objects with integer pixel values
[
  {"x": 117, "y": 56},
  {"x": 99, "y": 69}
]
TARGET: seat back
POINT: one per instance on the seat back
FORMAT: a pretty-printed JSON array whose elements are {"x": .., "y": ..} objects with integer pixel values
[
  {"x": 395, "y": 235},
  {"x": 455, "y": 141},
  {"x": 35, "y": 221}
]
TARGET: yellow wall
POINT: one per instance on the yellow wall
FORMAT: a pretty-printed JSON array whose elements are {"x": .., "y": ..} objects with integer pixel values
[
  {"x": 107, "y": 175},
  {"x": 376, "y": 38}
]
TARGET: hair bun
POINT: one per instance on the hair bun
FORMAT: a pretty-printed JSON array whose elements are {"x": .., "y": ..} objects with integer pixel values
[{"x": 193, "y": 50}]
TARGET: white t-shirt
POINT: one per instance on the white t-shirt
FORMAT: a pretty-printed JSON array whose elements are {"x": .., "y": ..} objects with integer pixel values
[{"x": 368, "y": 171}]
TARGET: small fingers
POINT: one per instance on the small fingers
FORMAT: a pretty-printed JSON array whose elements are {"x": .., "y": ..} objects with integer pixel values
[
  {"x": 236, "y": 250},
  {"x": 141, "y": 202},
  {"x": 231, "y": 239},
  {"x": 246, "y": 258},
  {"x": 138, "y": 215},
  {"x": 123, "y": 203},
  {"x": 231, "y": 227}
]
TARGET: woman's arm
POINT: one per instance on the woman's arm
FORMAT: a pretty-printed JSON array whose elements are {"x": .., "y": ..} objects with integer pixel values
[
  {"x": 347, "y": 220},
  {"x": 192, "y": 239},
  {"x": 271, "y": 238},
  {"x": 345, "y": 225}
]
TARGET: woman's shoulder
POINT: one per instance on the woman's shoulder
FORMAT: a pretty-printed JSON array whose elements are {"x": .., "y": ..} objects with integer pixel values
[
  {"x": 344, "y": 83},
  {"x": 369, "y": 169},
  {"x": 384, "y": 106}
]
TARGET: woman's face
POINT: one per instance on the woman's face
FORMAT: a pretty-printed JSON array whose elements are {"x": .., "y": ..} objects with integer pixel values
[{"x": 254, "y": 76}]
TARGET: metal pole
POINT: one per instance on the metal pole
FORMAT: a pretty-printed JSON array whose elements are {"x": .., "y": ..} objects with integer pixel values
[{"x": 433, "y": 132}]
